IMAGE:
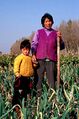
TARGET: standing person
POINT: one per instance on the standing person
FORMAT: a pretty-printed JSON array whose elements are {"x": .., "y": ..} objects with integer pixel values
[
  {"x": 24, "y": 72},
  {"x": 44, "y": 50}
]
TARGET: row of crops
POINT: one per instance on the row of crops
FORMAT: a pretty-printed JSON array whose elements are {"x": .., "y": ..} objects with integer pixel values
[{"x": 62, "y": 103}]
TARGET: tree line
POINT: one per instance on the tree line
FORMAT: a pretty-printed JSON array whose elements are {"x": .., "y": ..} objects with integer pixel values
[{"x": 70, "y": 35}]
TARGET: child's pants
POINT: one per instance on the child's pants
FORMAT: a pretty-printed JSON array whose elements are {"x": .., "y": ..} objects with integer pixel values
[{"x": 22, "y": 87}]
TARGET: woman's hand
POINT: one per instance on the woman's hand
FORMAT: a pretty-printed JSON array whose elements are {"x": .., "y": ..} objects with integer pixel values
[
  {"x": 33, "y": 58},
  {"x": 59, "y": 34}
]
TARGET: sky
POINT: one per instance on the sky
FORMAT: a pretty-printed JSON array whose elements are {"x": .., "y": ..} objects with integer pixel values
[{"x": 19, "y": 18}]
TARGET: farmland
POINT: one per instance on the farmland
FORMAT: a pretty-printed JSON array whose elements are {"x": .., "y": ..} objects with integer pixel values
[{"x": 62, "y": 103}]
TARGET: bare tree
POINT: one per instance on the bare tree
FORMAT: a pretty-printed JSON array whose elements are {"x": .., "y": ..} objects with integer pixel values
[
  {"x": 15, "y": 48},
  {"x": 70, "y": 32}
]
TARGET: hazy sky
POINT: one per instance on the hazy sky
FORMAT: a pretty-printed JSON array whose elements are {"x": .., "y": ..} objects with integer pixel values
[{"x": 19, "y": 18}]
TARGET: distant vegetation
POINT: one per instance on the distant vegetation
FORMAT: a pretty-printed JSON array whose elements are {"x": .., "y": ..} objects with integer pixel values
[
  {"x": 70, "y": 34},
  {"x": 15, "y": 48}
]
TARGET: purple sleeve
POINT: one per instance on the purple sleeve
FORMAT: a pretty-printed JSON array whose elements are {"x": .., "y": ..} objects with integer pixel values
[
  {"x": 34, "y": 43},
  {"x": 62, "y": 45}
]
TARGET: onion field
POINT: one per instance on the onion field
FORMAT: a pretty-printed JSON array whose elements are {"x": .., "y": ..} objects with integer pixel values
[{"x": 62, "y": 103}]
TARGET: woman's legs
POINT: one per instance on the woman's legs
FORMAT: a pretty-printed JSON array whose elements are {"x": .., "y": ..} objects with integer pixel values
[
  {"x": 40, "y": 72},
  {"x": 51, "y": 73}
]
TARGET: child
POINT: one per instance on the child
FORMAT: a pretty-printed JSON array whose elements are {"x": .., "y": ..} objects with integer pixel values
[{"x": 24, "y": 72}]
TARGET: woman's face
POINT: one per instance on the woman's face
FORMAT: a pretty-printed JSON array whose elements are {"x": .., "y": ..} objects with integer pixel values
[{"x": 47, "y": 23}]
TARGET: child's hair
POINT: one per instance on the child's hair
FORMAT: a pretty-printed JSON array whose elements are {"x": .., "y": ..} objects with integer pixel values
[
  {"x": 46, "y": 15},
  {"x": 25, "y": 44}
]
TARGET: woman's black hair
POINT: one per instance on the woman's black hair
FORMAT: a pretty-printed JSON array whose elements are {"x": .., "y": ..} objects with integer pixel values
[
  {"x": 46, "y": 15},
  {"x": 25, "y": 44}
]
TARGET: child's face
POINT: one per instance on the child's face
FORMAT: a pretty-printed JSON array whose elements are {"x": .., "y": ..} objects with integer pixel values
[
  {"x": 47, "y": 23},
  {"x": 25, "y": 51}
]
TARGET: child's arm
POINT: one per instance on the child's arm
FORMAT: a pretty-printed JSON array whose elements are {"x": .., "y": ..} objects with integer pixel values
[{"x": 17, "y": 63}]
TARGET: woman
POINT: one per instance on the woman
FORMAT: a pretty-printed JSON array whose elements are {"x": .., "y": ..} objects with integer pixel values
[{"x": 44, "y": 50}]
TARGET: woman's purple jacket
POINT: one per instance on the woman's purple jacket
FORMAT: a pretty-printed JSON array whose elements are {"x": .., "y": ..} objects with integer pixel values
[{"x": 44, "y": 44}]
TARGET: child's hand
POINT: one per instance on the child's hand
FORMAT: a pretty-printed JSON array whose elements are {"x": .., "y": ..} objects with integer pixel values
[{"x": 18, "y": 76}]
